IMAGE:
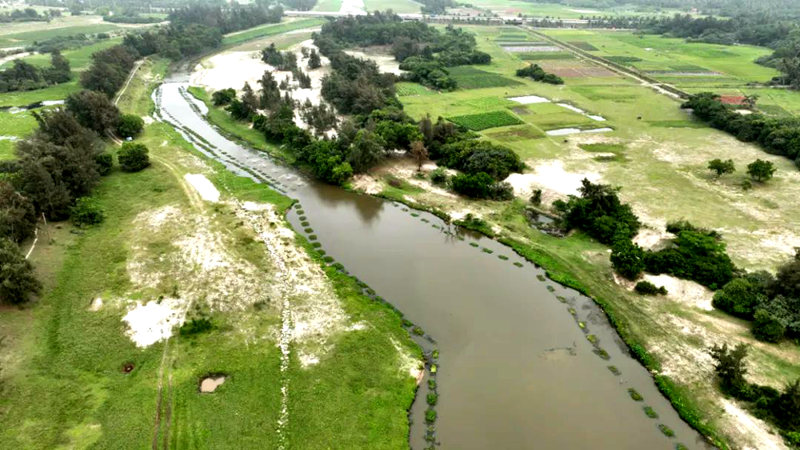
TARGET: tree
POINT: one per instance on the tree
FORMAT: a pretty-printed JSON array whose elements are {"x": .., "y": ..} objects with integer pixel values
[
  {"x": 105, "y": 162},
  {"x": 739, "y": 297},
  {"x": 761, "y": 170},
  {"x": 17, "y": 214},
  {"x": 17, "y": 280},
  {"x": 59, "y": 70},
  {"x": 94, "y": 111},
  {"x": 419, "y": 153},
  {"x": 249, "y": 98},
  {"x": 787, "y": 407},
  {"x": 721, "y": 167},
  {"x": 314, "y": 60},
  {"x": 627, "y": 258},
  {"x": 223, "y": 96},
  {"x": 129, "y": 125},
  {"x": 730, "y": 367},
  {"x": 767, "y": 327},
  {"x": 86, "y": 212},
  {"x": 366, "y": 151},
  {"x": 133, "y": 157}
]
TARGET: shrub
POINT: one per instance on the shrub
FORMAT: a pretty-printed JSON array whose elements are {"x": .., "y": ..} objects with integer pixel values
[
  {"x": 430, "y": 415},
  {"x": 17, "y": 281},
  {"x": 667, "y": 431},
  {"x": 696, "y": 256},
  {"x": 481, "y": 185},
  {"x": 129, "y": 125},
  {"x": 650, "y": 412},
  {"x": 536, "y": 198},
  {"x": 627, "y": 258},
  {"x": 739, "y": 297},
  {"x": 600, "y": 213},
  {"x": 635, "y": 395},
  {"x": 223, "y": 97},
  {"x": 767, "y": 327},
  {"x": 761, "y": 170},
  {"x": 105, "y": 161},
  {"x": 196, "y": 326},
  {"x": 648, "y": 288},
  {"x": 17, "y": 214},
  {"x": 133, "y": 157},
  {"x": 86, "y": 212},
  {"x": 439, "y": 176},
  {"x": 432, "y": 399}
]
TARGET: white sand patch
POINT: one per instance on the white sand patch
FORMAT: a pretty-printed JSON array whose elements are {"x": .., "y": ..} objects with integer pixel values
[
  {"x": 148, "y": 120},
  {"x": 585, "y": 11},
  {"x": 529, "y": 99},
  {"x": 155, "y": 219},
  {"x": 210, "y": 384},
  {"x": 552, "y": 176},
  {"x": 522, "y": 183},
  {"x": 253, "y": 206},
  {"x": 352, "y": 7},
  {"x": 230, "y": 70},
  {"x": 96, "y": 304},
  {"x": 684, "y": 291},
  {"x": 386, "y": 63},
  {"x": 650, "y": 239},
  {"x": 744, "y": 112},
  {"x": 367, "y": 184},
  {"x": 571, "y": 108},
  {"x": 755, "y": 432},
  {"x": 408, "y": 364},
  {"x": 568, "y": 131},
  {"x": 8, "y": 138},
  {"x": 153, "y": 321},
  {"x": 203, "y": 186},
  {"x": 596, "y": 117}
]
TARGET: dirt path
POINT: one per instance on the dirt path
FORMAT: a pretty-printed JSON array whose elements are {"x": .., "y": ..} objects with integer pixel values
[{"x": 136, "y": 66}]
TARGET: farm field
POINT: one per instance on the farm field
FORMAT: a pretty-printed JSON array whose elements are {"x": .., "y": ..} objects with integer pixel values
[
  {"x": 514, "y": 7},
  {"x": 79, "y": 58},
  {"x": 269, "y": 30},
  {"x": 673, "y": 60},
  {"x": 21, "y": 39},
  {"x": 398, "y": 6},
  {"x": 657, "y": 154}
]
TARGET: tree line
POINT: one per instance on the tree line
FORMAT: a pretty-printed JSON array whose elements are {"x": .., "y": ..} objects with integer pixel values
[
  {"x": 28, "y": 15},
  {"x": 776, "y": 135},
  {"x": 23, "y": 76}
]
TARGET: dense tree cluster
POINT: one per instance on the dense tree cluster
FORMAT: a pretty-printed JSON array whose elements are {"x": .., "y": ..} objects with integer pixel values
[
  {"x": 28, "y": 15},
  {"x": 436, "y": 6},
  {"x": 536, "y": 73},
  {"x": 356, "y": 86},
  {"x": 772, "y": 303},
  {"x": 229, "y": 18},
  {"x": 109, "y": 69},
  {"x": 694, "y": 254},
  {"x": 23, "y": 76},
  {"x": 422, "y": 50},
  {"x": 777, "y": 135}
]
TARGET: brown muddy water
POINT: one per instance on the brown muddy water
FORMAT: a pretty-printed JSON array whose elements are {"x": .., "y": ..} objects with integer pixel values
[{"x": 516, "y": 370}]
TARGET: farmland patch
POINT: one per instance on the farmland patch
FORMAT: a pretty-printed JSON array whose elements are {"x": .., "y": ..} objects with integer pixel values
[
  {"x": 520, "y": 133},
  {"x": 531, "y": 48},
  {"x": 583, "y": 45},
  {"x": 535, "y": 56},
  {"x": 405, "y": 89},
  {"x": 483, "y": 121},
  {"x": 468, "y": 77}
]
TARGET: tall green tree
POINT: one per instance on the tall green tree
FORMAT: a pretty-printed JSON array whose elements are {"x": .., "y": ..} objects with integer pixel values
[{"x": 17, "y": 280}]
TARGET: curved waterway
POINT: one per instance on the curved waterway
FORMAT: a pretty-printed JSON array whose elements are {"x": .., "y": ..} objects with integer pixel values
[{"x": 516, "y": 371}]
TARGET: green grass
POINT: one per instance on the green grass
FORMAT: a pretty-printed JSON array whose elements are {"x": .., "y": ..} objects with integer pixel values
[
  {"x": 482, "y": 121},
  {"x": 328, "y": 5},
  {"x": 405, "y": 88},
  {"x": 550, "y": 116},
  {"x": 29, "y": 37},
  {"x": 468, "y": 77},
  {"x": 56, "y": 92},
  {"x": 269, "y": 30},
  {"x": 398, "y": 6}
]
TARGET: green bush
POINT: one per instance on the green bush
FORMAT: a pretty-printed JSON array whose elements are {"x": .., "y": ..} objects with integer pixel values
[
  {"x": 133, "y": 157},
  {"x": 767, "y": 327},
  {"x": 17, "y": 280},
  {"x": 129, "y": 126},
  {"x": 196, "y": 326},
  {"x": 635, "y": 395},
  {"x": 648, "y": 288},
  {"x": 739, "y": 297},
  {"x": 105, "y": 161},
  {"x": 430, "y": 415},
  {"x": 627, "y": 258},
  {"x": 86, "y": 212},
  {"x": 439, "y": 176},
  {"x": 432, "y": 399}
]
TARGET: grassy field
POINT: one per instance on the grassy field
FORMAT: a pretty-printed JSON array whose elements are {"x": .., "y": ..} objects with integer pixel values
[
  {"x": 79, "y": 58},
  {"x": 24, "y": 38},
  {"x": 514, "y": 7},
  {"x": 269, "y": 30},
  {"x": 398, "y": 6},
  {"x": 62, "y": 361}
]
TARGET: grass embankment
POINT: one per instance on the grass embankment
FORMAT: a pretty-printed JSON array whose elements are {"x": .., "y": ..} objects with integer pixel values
[
  {"x": 62, "y": 378},
  {"x": 269, "y": 30}
]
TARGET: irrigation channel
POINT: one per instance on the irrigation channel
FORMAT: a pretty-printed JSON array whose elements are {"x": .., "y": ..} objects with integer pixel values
[{"x": 517, "y": 365}]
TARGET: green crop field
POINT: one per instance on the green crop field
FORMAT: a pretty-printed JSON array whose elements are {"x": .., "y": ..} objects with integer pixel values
[
  {"x": 398, "y": 6},
  {"x": 482, "y": 121},
  {"x": 28, "y": 37},
  {"x": 469, "y": 77},
  {"x": 405, "y": 88}
]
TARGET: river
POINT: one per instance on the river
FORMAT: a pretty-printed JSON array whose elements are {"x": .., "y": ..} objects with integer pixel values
[{"x": 516, "y": 369}]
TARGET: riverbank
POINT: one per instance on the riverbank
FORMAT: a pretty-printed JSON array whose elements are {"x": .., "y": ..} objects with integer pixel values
[{"x": 98, "y": 359}]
